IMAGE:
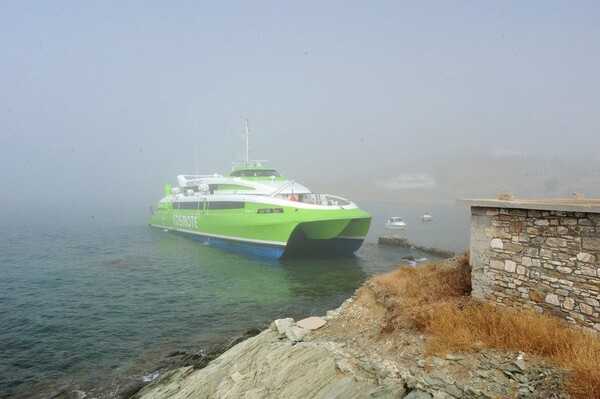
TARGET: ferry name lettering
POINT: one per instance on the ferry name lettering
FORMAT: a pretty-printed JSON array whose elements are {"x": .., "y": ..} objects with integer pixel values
[{"x": 185, "y": 221}]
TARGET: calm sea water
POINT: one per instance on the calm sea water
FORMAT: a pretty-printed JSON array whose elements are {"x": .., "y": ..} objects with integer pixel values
[{"x": 95, "y": 302}]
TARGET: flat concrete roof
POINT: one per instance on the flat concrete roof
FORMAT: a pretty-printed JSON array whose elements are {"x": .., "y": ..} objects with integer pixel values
[{"x": 567, "y": 205}]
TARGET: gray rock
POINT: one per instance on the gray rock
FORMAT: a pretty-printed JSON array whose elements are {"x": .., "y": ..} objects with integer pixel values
[
  {"x": 455, "y": 356},
  {"x": 523, "y": 393},
  {"x": 520, "y": 363},
  {"x": 166, "y": 385},
  {"x": 509, "y": 374},
  {"x": 523, "y": 379},
  {"x": 438, "y": 362},
  {"x": 434, "y": 382},
  {"x": 296, "y": 333},
  {"x": 282, "y": 325},
  {"x": 236, "y": 377},
  {"x": 388, "y": 389},
  {"x": 513, "y": 368},
  {"x": 346, "y": 304},
  {"x": 473, "y": 391},
  {"x": 269, "y": 367},
  {"x": 311, "y": 323},
  {"x": 343, "y": 389},
  {"x": 343, "y": 366},
  {"x": 332, "y": 314},
  {"x": 482, "y": 373},
  {"x": 454, "y": 391},
  {"x": 418, "y": 394}
]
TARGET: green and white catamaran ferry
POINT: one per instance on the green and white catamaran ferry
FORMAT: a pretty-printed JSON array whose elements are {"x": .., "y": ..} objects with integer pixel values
[{"x": 255, "y": 210}]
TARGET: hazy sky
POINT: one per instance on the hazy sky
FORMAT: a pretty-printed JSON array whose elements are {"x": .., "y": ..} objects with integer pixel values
[{"x": 101, "y": 103}]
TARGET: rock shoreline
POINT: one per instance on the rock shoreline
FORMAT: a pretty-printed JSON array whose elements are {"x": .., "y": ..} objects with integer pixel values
[
  {"x": 281, "y": 362},
  {"x": 349, "y": 357},
  {"x": 402, "y": 242}
]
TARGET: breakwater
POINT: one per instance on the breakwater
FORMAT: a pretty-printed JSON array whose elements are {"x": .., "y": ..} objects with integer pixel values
[{"x": 402, "y": 242}]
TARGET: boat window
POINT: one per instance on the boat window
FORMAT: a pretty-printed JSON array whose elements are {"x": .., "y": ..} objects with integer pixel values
[
  {"x": 192, "y": 205},
  {"x": 269, "y": 173},
  {"x": 212, "y": 205}
]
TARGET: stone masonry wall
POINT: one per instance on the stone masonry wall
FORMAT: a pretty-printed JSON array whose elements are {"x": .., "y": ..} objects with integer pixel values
[{"x": 543, "y": 260}]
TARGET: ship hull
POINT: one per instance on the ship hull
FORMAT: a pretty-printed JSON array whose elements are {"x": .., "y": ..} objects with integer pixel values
[{"x": 268, "y": 227}]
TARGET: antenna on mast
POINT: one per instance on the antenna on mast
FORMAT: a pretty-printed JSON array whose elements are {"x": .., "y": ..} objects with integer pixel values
[
  {"x": 247, "y": 137},
  {"x": 246, "y": 161},
  {"x": 196, "y": 156}
]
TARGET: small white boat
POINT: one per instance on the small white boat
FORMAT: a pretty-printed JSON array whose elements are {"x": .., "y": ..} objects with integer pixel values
[
  {"x": 427, "y": 217},
  {"x": 395, "y": 223}
]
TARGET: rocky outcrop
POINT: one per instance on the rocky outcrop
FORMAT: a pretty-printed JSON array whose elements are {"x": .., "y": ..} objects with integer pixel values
[
  {"x": 346, "y": 355},
  {"x": 267, "y": 367},
  {"x": 278, "y": 364},
  {"x": 271, "y": 365}
]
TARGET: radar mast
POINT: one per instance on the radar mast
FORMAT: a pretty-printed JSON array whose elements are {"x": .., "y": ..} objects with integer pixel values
[{"x": 247, "y": 162}]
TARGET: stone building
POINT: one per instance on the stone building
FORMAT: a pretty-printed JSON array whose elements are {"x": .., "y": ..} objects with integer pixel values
[{"x": 538, "y": 254}]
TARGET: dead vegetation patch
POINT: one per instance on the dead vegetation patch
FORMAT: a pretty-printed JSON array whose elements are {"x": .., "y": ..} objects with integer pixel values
[
  {"x": 413, "y": 294},
  {"x": 435, "y": 299}
]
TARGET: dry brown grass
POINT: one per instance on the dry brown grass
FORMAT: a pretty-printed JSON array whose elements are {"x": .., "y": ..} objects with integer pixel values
[
  {"x": 419, "y": 291},
  {"x": 435, "y": 300}
]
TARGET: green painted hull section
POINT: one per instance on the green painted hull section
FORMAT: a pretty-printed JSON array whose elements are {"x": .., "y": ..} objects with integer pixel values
[
  {"x": 358, "y": 227},
  {"x": 324, "y": 229},
  {"x": 247, "y": 224}
]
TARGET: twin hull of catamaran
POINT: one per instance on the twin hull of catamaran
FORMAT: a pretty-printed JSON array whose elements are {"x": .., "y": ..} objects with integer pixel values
[
  {"x": 254, "y": 209},
  {"x": 264, "y": 226}
]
